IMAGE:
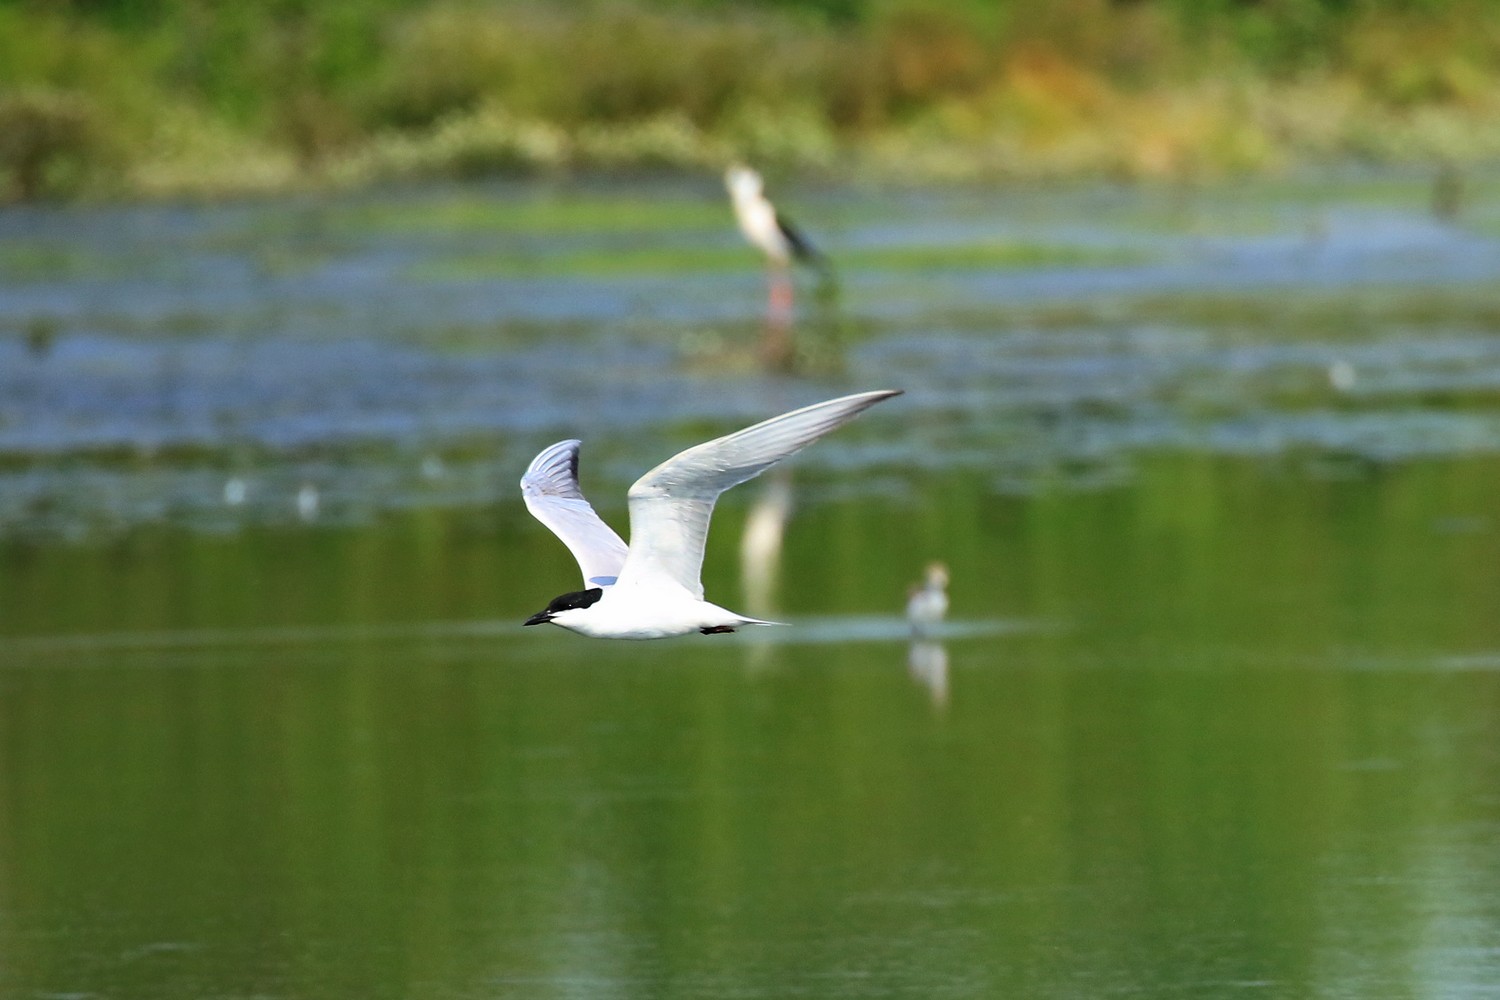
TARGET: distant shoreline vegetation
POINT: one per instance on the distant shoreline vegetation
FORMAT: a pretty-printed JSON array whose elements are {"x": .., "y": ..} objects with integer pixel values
[{"x": 153, "y": 98}]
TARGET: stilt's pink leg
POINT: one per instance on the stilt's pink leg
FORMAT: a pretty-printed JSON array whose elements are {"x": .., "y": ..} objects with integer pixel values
[
  {"x": 781, "y": 295},
  {"x": 776, "y": 351}
]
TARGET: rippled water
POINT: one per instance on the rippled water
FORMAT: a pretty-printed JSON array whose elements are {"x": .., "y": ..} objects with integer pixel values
[
  {"x": 402, "y": 351},
  {"x": 1215, "y": 473}
]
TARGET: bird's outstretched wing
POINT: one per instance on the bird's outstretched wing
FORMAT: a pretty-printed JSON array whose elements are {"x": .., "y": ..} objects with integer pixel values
[
  {"x": 550, "y": 488},
  {"x": 670, "y": 506}
]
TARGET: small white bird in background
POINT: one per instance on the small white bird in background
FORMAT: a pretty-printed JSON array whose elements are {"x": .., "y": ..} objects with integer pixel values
[
  {"x": 927, "y": 603},
  {"x": 307, "y": 502},
  {"x": 772, "y": 233},
  {"x": 652, "y": 589},
  {"x": 1342, "y": 376},
  {"x": 234, "y": 491}
]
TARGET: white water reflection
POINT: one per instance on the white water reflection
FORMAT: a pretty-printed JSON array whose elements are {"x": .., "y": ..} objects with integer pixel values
[
  {"x": 927, "y": 662},
  {"x": 761, "y": 542}
]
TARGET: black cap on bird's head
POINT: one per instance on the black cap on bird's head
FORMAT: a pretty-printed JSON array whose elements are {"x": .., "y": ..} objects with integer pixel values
[{"x": 577, "y": 599}]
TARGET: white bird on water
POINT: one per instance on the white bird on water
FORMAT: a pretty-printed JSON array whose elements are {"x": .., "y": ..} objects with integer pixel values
[
  {"x": 772, "y": 233},
  {"x": 307, "y": 502},
  {"x": 927, "y": 604},
  {"x": 652, "y": 588},
  {"x": 234, "y": 491}
]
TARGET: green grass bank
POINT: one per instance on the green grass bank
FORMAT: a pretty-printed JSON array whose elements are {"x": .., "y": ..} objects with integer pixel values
[{"x": 143, "y": 98}]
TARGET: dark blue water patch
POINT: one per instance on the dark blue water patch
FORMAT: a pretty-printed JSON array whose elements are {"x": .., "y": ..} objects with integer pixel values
[
  {"x": 150, "y": 355},
  {"x": 101, "y": 393},
  {"x": 83, "y": 498},
  {"x": 1126, "y": 365},
  {"x": 108, "y": 431},
  {"x": 294, "y": 268}
]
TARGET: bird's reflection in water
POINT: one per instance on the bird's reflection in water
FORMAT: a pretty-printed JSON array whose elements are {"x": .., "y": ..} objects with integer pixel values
[
  {"x": 777, "y": 351},
  {"x": 760, "y": 546},
  {"x": 927, "y": 662},
  {"x": 760, "y": 553}
]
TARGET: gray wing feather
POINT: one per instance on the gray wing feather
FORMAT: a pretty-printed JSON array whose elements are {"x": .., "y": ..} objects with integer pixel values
[
  {"x": 550, "y": 488},
  {"x": 670, "y": 506}
]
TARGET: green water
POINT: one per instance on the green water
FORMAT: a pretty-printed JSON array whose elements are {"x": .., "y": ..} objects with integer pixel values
[
  {"x": 1215, "y": 713},
  {"x": 1227, "y": 728}
]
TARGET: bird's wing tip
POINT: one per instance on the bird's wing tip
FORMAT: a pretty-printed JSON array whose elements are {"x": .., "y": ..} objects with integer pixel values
[
  {"x": 545, "y": 474},
  {"x": 874, "y": 396},
  {"x": 547, "y": 454},
  {"x": 558, "y": 445}
]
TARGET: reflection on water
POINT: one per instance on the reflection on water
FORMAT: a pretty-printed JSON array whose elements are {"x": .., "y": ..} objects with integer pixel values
[
  {"x": 1041, "y": 335},
  {"x": 927, "y": 661},
  {"x": 761, "y": 541},
  {"x": 1232, "y": 726},
  {"x": 1213, "y": 712}
]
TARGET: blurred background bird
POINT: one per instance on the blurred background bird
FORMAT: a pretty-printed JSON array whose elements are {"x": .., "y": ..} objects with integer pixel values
[
  {"x": 927, "y": 602},
  {"x": 774, "y": 235}
]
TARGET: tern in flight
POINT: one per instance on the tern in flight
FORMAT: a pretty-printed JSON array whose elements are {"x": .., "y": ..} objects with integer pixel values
[
  {"x": 770, "y": 232},
  {"x": 652, "y": 588}
]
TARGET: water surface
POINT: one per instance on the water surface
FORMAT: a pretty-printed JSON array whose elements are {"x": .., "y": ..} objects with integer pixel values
[{"x": 1214, "y": 717}]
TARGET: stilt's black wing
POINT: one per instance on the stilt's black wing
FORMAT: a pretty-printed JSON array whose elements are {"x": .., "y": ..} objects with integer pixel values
[{"x": 802, "y": 247}]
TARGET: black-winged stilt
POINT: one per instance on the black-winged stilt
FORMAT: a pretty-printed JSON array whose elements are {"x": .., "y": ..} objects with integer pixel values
[{"x": 773, "y": 234}]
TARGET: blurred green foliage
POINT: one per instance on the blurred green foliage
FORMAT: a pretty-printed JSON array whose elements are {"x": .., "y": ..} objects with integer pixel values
[{"x": 166, "y": 95}]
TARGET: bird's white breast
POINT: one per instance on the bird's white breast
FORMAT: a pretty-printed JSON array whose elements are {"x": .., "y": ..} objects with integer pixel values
[
  {"x": 640, "y": 612},
  {"x": 757, "y": 221},
  {"x": 927, "y": 606}
]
